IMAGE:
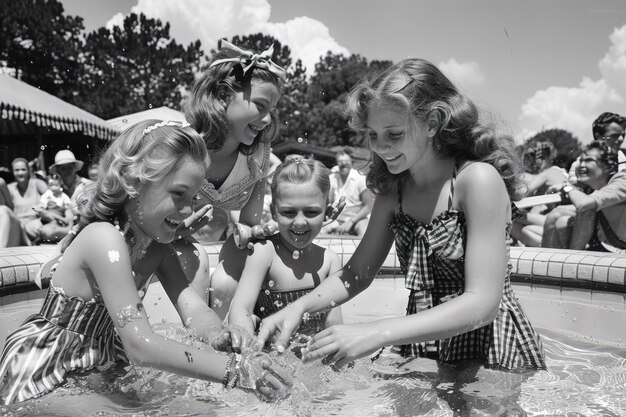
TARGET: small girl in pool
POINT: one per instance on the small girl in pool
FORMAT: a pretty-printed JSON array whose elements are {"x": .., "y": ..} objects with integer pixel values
[
  {"x": 93, "y": 312},
  {"x": 288, "y": 265}
]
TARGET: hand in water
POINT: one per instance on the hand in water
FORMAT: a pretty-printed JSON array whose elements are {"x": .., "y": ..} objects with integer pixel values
[
  {"x": 232, "y": 337},
  {"x": 256, "y": 371},
  {"x": 343, "y": 343},
  {"x": 195, "y": 222},
  {"x": 334, "y": 210},
  {"x": 281, "y": 324}
]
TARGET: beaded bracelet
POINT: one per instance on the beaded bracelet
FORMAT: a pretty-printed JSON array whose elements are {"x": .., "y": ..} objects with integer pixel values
[
  {"x": 227, "y": 371},
  {"x": 232, "y": 368},
  {"x": 233, "y": 380}
]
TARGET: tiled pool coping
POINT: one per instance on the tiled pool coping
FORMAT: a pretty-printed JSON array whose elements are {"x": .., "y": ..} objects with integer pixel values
[{"x": 592, "y": 271}]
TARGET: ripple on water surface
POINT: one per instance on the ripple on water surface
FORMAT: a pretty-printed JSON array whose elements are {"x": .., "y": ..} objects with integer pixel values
[{"x": 584, "y": 378}]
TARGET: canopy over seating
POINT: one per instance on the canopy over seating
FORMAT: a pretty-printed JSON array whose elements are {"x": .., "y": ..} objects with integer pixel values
[
  {"x": 161, "y": 113},
  {"x": 31, "y": 106}
]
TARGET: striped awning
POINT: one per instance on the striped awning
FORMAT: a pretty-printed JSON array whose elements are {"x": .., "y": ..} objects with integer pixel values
[{"x": 22, "y": 102}]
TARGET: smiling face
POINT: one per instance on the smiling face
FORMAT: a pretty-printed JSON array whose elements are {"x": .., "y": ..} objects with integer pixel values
[
  {"x": 162, "y": 205},
  {"x": 400, "y": 143},
  {"x": 247, "y": 118},
  {"x": 613, "y": 135},
  {"x": 21, "y": 172},
  {"x": 299, "y": 211},
  {"x": 591, "y": 171}
]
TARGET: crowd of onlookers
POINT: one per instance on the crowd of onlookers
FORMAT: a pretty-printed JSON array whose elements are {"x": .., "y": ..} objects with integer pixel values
[
  {"x": 38, "y": 207},
  {"x": 592, "y": 211}
]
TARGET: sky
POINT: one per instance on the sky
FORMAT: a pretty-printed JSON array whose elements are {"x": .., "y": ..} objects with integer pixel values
[{"x": 530, "y": 65}]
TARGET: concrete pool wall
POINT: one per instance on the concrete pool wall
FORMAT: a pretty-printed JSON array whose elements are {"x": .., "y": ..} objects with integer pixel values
[{"x": 578, "y": 291}]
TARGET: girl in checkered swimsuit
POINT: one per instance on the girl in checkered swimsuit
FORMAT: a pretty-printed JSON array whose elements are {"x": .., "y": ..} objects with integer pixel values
[
  {"x": 454, "y": 177},
  {"x": 432, "y": 257}
]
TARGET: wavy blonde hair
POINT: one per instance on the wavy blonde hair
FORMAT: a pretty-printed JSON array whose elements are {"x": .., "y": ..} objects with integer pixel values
[
  {"x": 132, "y": 160},
  {"x": 417, "y": 87}
]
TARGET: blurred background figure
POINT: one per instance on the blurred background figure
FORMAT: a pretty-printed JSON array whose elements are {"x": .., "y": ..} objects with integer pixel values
[
  {"x": 349, "y": 183},
  {"x": 608, "y": 128},
  {"x": 26, "y": 192},
  {"x": 541, "y": 173},
  {"x": 59, "y": 212},
  {"x": 92, "y": 172},
  {"x": 66, "y": 166},
  {"x": 600, "y": 220}
]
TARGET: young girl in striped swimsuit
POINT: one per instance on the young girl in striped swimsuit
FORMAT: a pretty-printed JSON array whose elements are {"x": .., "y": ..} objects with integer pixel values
[
  {"x": 288, "y": 265},
  {"x": 444, "y": 183},
  {"x": 93, "y": 312}
]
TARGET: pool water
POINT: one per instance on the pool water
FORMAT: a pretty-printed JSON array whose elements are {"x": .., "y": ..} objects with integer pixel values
[{"x": 584, "y": 378}]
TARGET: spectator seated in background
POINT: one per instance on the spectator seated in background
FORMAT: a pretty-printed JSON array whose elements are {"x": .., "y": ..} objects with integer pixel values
[
  {"x": 66, "y": 166},
  {"x": 57, "y": 225},
  {"x": 600, "y": 220},
  {"x": 26, "y": 192},
  {"x": 58, "y": 206},
  {"x": 11, "y": 231},
  {"x": 609, "y": 128},
  {"x": 349, "y": 183},
  {"x": 541, "y": 173}
]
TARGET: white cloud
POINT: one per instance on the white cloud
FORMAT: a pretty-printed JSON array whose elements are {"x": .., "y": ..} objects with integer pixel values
[
  {"x": 210, "y": 20},
  {"x": 465, "y": 75},
  {"x": 575, "y": 108}
]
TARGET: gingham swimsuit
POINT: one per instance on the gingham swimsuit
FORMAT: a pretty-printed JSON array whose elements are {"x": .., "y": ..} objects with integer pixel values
[{"x": 432, "y": 257}]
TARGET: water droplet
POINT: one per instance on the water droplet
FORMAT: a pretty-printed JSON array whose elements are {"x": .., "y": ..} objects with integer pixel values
[
  {"x": 124, "y": 120},
  {"x": 270, "y": 283},
  {"x": 347, "y": 284},
  {"x": 332, "y": 303},
  {"x": 150, "y": 105},
  {"x": 267, "y": 292}
]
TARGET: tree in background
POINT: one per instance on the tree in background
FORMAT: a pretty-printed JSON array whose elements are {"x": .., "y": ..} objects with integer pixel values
[
  {"x": 335, "y": 75},
  {"x": 135, "y": 67},
  {"x": 40, "y": 45},
  {"x": 567, "y": 145}
]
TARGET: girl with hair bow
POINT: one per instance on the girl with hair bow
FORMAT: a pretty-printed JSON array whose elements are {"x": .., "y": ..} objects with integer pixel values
[{"x": 232, "y": 105}]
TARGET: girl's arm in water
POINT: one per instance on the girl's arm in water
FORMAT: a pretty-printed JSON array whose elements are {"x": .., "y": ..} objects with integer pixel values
[
  {"x": 242, "y": 307},
  {"x": 338, "y": 288},
  {"x": 192, "y": 309},
  {"x": 105, "y": 254},
  {"x": 484, "y": 200}
]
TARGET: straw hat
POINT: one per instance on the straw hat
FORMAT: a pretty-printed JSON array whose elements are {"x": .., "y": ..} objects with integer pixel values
[{"x": 63, "y": 157}]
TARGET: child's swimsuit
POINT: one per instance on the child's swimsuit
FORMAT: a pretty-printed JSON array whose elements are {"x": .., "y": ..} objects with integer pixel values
[
  {"x": 269, "y": 302},
  {"x": 432, "y": 257},
  {"x": 68, "y": 334}
]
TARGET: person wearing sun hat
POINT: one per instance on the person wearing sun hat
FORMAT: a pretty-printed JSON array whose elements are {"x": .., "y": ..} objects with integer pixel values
[{"x": 66, "y": 166}]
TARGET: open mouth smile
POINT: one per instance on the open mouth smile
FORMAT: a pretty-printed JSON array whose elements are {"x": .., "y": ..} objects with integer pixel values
[{"x": 172, "y": 223}]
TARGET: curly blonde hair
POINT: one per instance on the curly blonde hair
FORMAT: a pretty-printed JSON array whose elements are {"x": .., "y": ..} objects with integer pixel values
[
  {"x": 134, "y": 159},
  {"x": 417, "y": 87}
]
